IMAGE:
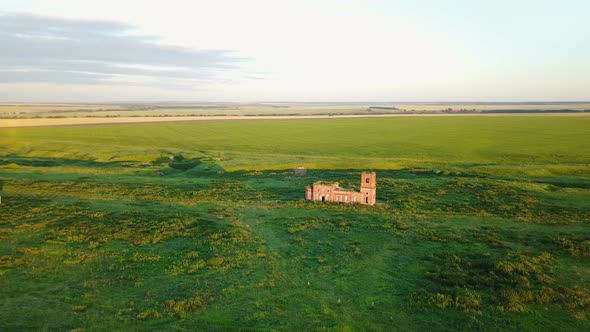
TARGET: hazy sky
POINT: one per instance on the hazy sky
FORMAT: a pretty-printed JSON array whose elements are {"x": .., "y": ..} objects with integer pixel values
[{"x": 414, "y": 50}]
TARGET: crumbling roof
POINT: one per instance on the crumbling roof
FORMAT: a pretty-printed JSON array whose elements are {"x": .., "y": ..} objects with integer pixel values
[{"x": 326, "y": 183}]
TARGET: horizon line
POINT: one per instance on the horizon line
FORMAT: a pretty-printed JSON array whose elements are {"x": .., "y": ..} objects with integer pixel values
[{"x": 525, "y": 102}]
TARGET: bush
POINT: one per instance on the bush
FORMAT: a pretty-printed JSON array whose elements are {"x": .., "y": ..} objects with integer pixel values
[
  {"x": 148, "y": 314},
  {"x": 5, "y": 261},
  {"x": 216, "y": 261},
  {"x": 576, "y": 248},
  {"x": 519, "y": 279},
  {"x": 442, "y": 301},
  {"x": 468, "y": 302},
  {"x": 80, "y": 308},
  {"x": 196, "y": 266},
  {"x": 575, "y": 298},
  {"x": 184, "y": 307}
]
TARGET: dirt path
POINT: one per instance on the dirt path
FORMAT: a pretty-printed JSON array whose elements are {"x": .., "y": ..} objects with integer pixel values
[{"x": 13, "y": 123}]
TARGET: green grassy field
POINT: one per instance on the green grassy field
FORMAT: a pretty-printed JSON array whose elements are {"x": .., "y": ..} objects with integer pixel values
[{"x": 481, "y": 224}]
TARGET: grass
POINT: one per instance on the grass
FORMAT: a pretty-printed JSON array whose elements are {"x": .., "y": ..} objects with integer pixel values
[
  {"x": 481, "y": 224},
  {"x": 352, "y": 143}
]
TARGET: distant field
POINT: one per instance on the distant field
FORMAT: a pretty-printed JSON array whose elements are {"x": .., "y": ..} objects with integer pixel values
[
  {"x": 482, "y": 223},
  {"x": 491, "y": 107},
  {"x": 8, "y": 111},
  {"x": 47, "y": 109},
  {"x": 83, "y": 121}
]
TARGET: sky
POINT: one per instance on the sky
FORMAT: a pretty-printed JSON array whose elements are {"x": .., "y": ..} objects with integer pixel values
[{"x": 300, "y": 51}]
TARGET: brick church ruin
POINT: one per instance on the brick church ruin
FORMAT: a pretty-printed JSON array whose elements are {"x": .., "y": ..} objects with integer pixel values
[{"x": 331, "y": 191}]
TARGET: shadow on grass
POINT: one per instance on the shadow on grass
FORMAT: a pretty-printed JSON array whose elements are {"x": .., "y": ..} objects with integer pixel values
[
  {"x": 182, "y": 166},
  {"x": 56, "y": 162}
]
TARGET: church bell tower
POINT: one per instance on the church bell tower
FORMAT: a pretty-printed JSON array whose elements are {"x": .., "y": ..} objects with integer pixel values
[{"x": 368, "y": 188}]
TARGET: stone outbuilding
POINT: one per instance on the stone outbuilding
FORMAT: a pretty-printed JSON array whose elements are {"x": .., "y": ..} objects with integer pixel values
[{"x": 331, "y": 191}]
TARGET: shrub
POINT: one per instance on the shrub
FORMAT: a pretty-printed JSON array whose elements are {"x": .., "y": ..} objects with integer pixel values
[
  {"x": 192, "y": 255},
  {"x": 519, "y": 279},
  {"x": 357, "y": 251},
  {"x": 575, "y": 298},
  {"x": 144, "y": 257},
  {"x": 196, "y": 266},
  {"x": 216, "y": 261},
  {"x": 5, "y": 261},
  {"x": 80, "y": 308},
  {"x": 515, "y": 301},
  {"x": 442, "y": 301},
  {"x": 402, "y": 225},
  {"x": 576, "y": 248},
  {"x": 148, "y": 314},
  {"x": 545, "y": 295},
  {"x": 469, "y": 302},
  {"x": 93, "y": 245},
  {"x": 296, "y": 228},
  {"x": 183, "y": 307}
]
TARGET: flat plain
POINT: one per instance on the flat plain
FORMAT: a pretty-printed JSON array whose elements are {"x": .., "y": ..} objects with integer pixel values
[
  {"x": 481, "y": 224},
  {"x": 112, "y": 111}
]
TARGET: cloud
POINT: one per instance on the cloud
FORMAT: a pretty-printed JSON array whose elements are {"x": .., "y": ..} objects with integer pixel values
[{"x": 68, "y": 51}]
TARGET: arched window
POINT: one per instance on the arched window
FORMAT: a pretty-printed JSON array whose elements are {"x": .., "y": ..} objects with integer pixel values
[{"x": 367, "y": 180}]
